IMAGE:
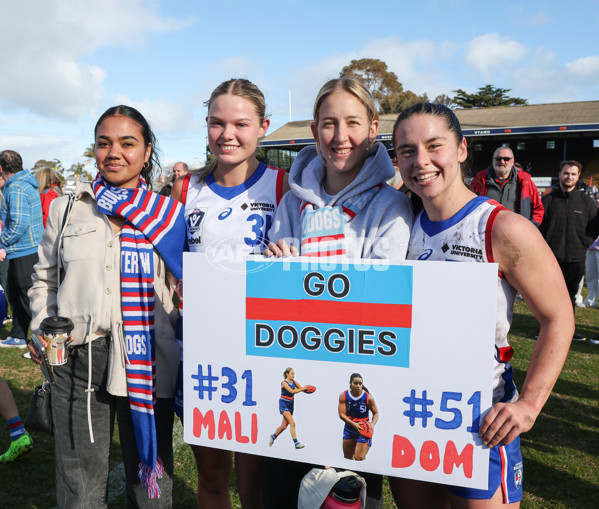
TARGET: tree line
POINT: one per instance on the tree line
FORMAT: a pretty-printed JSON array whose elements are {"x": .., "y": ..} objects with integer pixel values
[
  {"x": 390, "y": 96},
  {"x": 75, "y": 169}
]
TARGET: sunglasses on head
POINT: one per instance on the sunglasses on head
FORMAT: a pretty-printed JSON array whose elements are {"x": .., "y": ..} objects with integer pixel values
[{"x": 506, "y": 159}]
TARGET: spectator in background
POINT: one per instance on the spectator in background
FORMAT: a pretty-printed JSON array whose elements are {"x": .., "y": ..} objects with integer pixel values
[
  {"x": 592, "y": 269},
  {"x": 49, "y": 189},
  {"x": 4, "y": 262},
  {"x": 20, "y": 441},
  {"x": 592, "y": 274},
  {"x": 179, "y": 170},
  {"x": 569, "y": 226},
  {"x": 583, "y": 187},
  {"x": 510, "y": 186},
  {"x": 21, "y": 216},
  {"x": 397, "y": 182}
]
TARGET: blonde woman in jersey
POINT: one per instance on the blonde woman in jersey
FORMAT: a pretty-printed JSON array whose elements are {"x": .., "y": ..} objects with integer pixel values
[
  {"x": 430, "y": 149},
  {"x": 230, "y": 205}
]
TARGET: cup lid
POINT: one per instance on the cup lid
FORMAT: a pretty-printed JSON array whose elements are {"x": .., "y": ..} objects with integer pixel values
[{"x": 56, "y": 325}]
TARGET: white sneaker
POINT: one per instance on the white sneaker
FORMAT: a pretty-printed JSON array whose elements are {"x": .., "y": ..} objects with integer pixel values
[
  {"x": 594, "y": 341},
  {"x": 299, "y": 446},
  {"x": 27, "y": 355}
]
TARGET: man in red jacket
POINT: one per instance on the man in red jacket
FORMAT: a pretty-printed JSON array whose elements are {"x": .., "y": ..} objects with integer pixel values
[{"x": 510, "y": 186}]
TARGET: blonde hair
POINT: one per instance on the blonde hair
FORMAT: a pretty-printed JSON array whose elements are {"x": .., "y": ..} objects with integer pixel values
[
  {"x": 242, "y": 88},
  {"x": 47, "y": 178},
  {"x": 351, "y": 86}
]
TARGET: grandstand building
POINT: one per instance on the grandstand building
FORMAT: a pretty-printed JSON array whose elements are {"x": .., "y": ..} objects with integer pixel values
[{"x": 540, "y": 135}]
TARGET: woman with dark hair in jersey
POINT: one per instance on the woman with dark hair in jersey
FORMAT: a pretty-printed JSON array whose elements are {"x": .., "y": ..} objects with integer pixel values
[
  {"x": 355, "y": 406},
  {"x": 430, "y": 149}
]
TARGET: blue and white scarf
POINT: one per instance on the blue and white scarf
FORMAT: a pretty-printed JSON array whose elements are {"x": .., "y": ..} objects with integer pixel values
[{"x": 151, "y": 222}]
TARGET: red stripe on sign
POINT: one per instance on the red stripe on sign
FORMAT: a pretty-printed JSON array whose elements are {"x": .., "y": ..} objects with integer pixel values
[{"x": 325, "y": 311}]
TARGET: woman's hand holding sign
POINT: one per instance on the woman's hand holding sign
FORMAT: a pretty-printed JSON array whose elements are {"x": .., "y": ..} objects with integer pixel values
[{"x": 280, "y": 249}]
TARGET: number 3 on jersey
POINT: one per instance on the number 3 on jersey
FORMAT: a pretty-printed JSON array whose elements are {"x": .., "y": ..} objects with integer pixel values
[{"x": 259, "y": 230}]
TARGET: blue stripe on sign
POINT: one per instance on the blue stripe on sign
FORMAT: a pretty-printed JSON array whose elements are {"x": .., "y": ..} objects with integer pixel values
[
  {"x": 384, "y": 284},
  {"x": 394, "y": 287},
  {"x": 338, "y": 343}
]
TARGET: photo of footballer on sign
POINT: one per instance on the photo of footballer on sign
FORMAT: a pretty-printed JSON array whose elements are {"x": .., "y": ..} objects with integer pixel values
[{"x": 399, "y": 374}]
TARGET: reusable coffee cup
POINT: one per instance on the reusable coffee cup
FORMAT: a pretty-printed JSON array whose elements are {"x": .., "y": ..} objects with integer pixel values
[{"x": 57, "y": 331}]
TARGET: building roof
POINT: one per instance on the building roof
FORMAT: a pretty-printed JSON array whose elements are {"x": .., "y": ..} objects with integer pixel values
[
  {"x": 531, "y": 118},
  {"x": 297, "y": 130}
]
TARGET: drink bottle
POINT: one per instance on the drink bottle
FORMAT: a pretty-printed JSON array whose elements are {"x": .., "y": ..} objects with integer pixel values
[{"x": 344, "y": 495}]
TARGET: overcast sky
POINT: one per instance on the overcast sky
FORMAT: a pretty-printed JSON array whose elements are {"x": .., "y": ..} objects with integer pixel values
[{"x": 65, "y": 61}]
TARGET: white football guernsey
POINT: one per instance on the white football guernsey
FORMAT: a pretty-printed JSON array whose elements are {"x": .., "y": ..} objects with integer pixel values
[
  {"x": 232, "y": 221},
  {"x": 467, "y": 237}
]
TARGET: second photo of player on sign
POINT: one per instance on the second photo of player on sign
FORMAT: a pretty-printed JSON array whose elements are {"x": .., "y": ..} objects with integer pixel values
[{"x": 355, "y": 406}]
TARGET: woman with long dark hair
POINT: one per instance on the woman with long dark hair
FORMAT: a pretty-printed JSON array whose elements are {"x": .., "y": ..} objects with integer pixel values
[
  {"x": 104, "y": 259},
  {"x": 430, "y": 149}
]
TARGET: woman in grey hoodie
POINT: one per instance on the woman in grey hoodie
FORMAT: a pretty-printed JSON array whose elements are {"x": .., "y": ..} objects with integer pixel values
[{"x": 339, "y": 206}]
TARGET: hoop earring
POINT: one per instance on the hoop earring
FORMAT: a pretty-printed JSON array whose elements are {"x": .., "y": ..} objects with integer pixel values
[{"x": 146, "y": 166}]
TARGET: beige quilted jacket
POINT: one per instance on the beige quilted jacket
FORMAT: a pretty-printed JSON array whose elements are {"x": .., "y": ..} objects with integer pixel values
[{"x": 86, "y": 252}]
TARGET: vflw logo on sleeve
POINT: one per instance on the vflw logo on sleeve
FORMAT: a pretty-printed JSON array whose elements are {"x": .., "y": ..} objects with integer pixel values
[{"x": 353, "y": 314}]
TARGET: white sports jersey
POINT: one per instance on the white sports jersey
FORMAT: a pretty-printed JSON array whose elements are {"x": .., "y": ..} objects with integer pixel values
[
  {"x": 229, "y": 222},
  {"x": 466, "y": 237}
]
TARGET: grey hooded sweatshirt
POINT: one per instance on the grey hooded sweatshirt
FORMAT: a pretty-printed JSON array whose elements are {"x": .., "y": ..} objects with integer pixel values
[{"x": 381, "y": 230}]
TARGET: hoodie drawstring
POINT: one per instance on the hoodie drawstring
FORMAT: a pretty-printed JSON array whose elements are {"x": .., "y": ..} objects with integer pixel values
[{"x": 89, "y": 389}]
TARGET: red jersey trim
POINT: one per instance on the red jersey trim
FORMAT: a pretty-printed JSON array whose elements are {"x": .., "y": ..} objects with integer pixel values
[
  {"x": 280, "y": 180},
  {"x": 489, "y": 232},
  {"x": 185, "y": 188}
]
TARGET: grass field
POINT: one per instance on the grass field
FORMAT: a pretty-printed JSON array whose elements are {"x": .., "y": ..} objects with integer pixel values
[{"x": 561, "y": 453}]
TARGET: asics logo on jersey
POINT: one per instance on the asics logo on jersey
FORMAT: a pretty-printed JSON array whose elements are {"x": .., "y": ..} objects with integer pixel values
[
  {"x": 225, "y": 214},
  {"x": 426, "y": 255}
]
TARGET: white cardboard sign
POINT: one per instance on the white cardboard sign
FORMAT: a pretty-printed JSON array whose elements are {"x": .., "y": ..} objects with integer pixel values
[{"x": 420, "y": 334}]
